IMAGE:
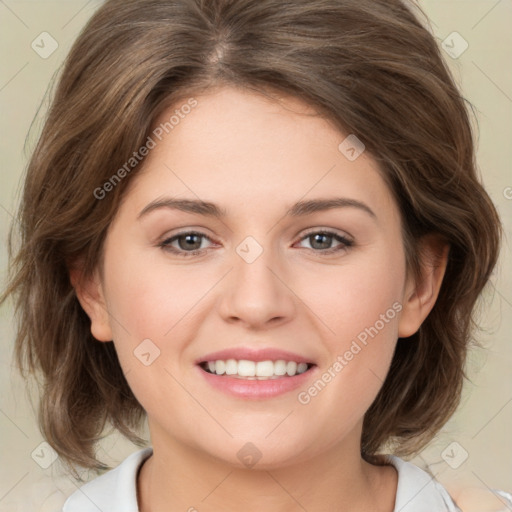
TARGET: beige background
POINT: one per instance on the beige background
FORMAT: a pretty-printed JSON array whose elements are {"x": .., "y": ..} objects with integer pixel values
[{"x": 482, "y": 427}]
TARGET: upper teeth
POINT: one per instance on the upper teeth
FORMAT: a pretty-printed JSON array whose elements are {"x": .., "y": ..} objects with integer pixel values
[{"x": 246, "y": 368}]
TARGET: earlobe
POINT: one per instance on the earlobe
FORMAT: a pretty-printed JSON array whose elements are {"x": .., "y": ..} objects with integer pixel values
[
  {"x": 89, "y": 292},
  {"x": 420, "y": 295}
]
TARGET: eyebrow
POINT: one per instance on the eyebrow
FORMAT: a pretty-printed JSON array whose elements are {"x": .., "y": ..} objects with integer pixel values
[{"x": 300, "y": 208}]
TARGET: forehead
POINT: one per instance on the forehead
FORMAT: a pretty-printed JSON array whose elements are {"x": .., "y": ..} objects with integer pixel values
[{"x": 241, "y": 149}]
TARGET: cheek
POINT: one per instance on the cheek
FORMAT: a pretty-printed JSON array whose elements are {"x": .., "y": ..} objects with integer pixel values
[
  {"x": 352, "y": 297},
  {"x": 361, "y": 306},
  {"x": 151, "y": 307},
  {"x": 149, "y": 297}
]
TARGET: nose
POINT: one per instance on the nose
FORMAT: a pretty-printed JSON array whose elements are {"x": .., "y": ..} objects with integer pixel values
[{"x": 257, "y": 293}]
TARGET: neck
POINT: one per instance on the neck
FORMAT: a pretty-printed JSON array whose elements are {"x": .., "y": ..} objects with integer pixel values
[{"x": 180, "y": 478}]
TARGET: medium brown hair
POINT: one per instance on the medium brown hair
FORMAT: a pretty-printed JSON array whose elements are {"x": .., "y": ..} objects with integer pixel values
[{"x": 369, "y": 66}]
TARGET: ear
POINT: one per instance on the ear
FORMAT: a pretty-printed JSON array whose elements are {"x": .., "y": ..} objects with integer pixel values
[
  {"x": 421, "y": 295},
  {"x": 89, "y": 292}
]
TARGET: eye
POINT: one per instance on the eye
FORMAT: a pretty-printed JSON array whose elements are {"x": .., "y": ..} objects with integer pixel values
[
  {"x": 189, "y": 243},
  {"x": 323, "y": 239}
]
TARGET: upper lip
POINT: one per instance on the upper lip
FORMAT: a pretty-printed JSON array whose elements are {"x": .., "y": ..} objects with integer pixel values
[{"x": 253, "y": 354}]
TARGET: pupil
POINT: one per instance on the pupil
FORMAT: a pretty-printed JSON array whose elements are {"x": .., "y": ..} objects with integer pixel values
[
  {"x": 324, "y": 236},
  {"x": 188, "y": 239}
]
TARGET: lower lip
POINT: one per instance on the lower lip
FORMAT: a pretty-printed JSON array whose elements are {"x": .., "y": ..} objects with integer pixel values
[{"x": 256, "y": 389}]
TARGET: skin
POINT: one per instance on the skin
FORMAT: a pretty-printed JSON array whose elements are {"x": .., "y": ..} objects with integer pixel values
[{"x": 256, "y": 157}]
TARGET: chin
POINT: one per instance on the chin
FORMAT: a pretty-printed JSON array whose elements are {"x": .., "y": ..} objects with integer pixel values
[{"x": 259, "y": 454}]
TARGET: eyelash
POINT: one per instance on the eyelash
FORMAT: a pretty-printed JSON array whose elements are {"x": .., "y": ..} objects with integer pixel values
[{"x": 345, "y": 243}]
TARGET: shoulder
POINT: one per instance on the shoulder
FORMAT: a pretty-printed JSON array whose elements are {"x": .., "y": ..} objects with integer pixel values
[
  {"x": 418, "y": 491},
  {"x": 115, "y": 491},
  {"x": 472, "y": 498}
]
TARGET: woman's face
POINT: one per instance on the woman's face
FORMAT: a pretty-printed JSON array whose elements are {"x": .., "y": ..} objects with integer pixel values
[{"x": 259, "y": 282}]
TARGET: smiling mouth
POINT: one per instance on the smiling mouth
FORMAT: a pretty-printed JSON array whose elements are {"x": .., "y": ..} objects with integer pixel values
[{"x": 252, "y": 370}]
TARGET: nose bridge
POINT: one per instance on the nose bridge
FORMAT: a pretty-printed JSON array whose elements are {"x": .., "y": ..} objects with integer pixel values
[
  {"x": 254, "y": 293},
  {"x": 253, "y": 264}
]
